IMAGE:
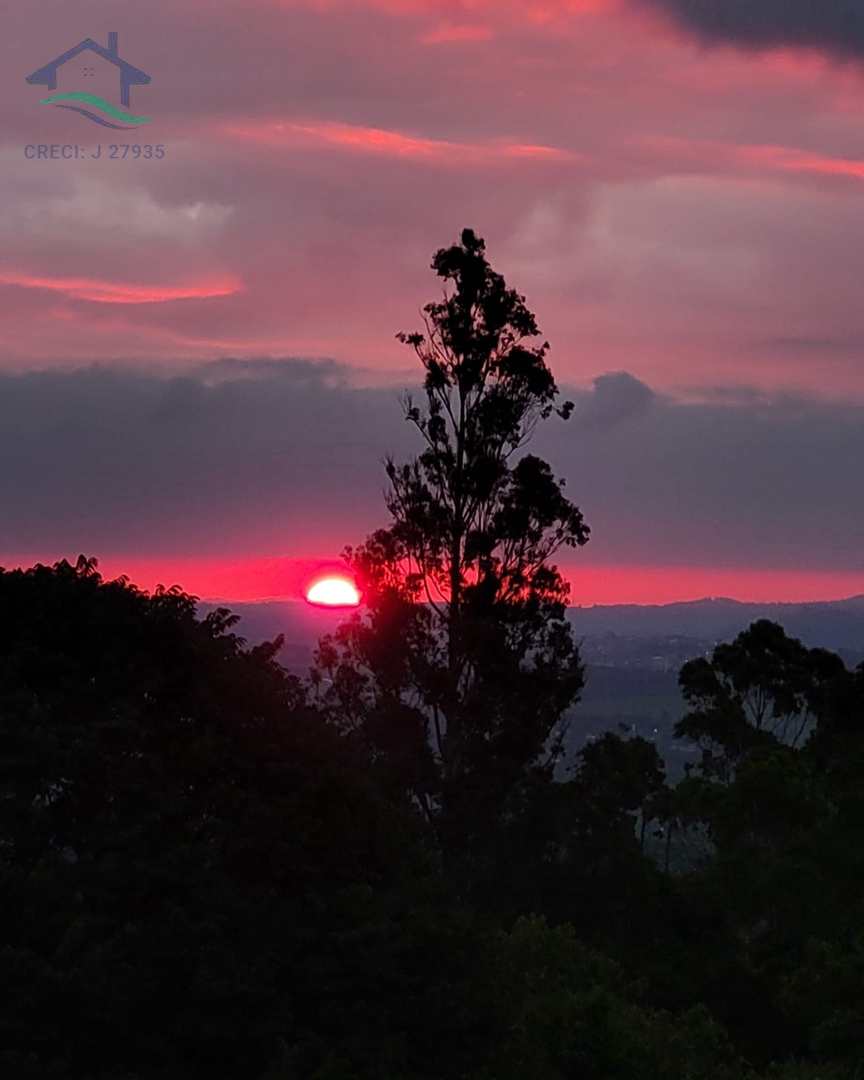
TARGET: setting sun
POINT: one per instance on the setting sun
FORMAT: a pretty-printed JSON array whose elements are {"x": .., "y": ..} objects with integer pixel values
[{"x": 333, "y": 592}]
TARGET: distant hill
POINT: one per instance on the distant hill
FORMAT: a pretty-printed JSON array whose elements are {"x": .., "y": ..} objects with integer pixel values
[
  {"x": 831, "y": 625},
  {"x": 659, "y": 636},
  {"x": 632, "y": 654}
]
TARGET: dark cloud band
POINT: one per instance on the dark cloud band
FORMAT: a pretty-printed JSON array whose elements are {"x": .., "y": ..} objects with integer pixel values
[
  {"x": 832, "y": 26},
  {"x": 273, "y": 457}
]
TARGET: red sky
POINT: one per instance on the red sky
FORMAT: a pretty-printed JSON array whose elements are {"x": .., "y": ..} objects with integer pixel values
[{"x": 674, "y": 206}]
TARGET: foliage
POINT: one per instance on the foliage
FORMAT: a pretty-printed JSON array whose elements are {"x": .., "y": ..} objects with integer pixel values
[
  {"x": 175, "y": 826},
  {"x": 462, "y": 669},
  {"x": 762, "y": 689}
]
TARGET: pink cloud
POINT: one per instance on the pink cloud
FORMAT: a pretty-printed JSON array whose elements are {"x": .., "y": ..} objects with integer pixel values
[
  {"x": 113, "y": 292},
  {"x": 390, "y": 143},
  {"x": 535, "y": 10},
  {"x": 707, "y": 156},
  {"x": 453, "y": 33},
  {"x": 789, "y": 159}
]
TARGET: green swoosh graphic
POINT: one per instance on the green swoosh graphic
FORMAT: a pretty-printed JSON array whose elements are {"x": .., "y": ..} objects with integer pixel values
[{"x": 100, "y": 103}]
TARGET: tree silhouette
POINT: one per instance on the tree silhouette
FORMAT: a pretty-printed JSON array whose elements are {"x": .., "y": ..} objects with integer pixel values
[
  {"x": 761, "y": 690},
  {"x": 463, "y": 663},
  {"x": 176, "y": 828},
  {"x": 615, "y": 779}
]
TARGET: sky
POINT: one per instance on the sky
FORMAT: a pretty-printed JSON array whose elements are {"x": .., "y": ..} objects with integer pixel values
[{"x": 199, "y": 376}]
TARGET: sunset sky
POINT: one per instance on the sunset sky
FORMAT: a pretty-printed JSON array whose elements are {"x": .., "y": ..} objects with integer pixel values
[{"x": 198, "y": 370}]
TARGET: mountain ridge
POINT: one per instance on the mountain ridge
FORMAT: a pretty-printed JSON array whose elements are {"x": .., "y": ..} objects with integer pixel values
[{"x": 675, "y": 630}]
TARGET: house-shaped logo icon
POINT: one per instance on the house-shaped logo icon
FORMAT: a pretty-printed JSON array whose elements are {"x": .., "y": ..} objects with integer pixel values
[{"x": 85, "y": 102}]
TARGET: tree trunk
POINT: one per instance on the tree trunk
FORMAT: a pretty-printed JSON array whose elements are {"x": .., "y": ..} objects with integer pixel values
[{"x": 454, "y": 645}]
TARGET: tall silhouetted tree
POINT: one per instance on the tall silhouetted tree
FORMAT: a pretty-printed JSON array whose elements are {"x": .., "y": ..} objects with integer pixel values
[{"x": 462, "y": 668}]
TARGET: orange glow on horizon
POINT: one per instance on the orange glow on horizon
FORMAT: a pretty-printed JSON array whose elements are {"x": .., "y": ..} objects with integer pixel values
[
  {"x": 252, "y": 579},
  {"x": 333, "y": 592}
]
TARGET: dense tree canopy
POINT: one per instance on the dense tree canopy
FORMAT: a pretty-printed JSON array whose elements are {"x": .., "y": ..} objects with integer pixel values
[
  {"x": 170, "y": 815},
  {"x": 200, "y": 877}
]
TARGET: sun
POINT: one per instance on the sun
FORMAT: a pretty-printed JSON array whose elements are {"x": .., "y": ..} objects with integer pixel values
[{"x": 333, "y": 592}]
